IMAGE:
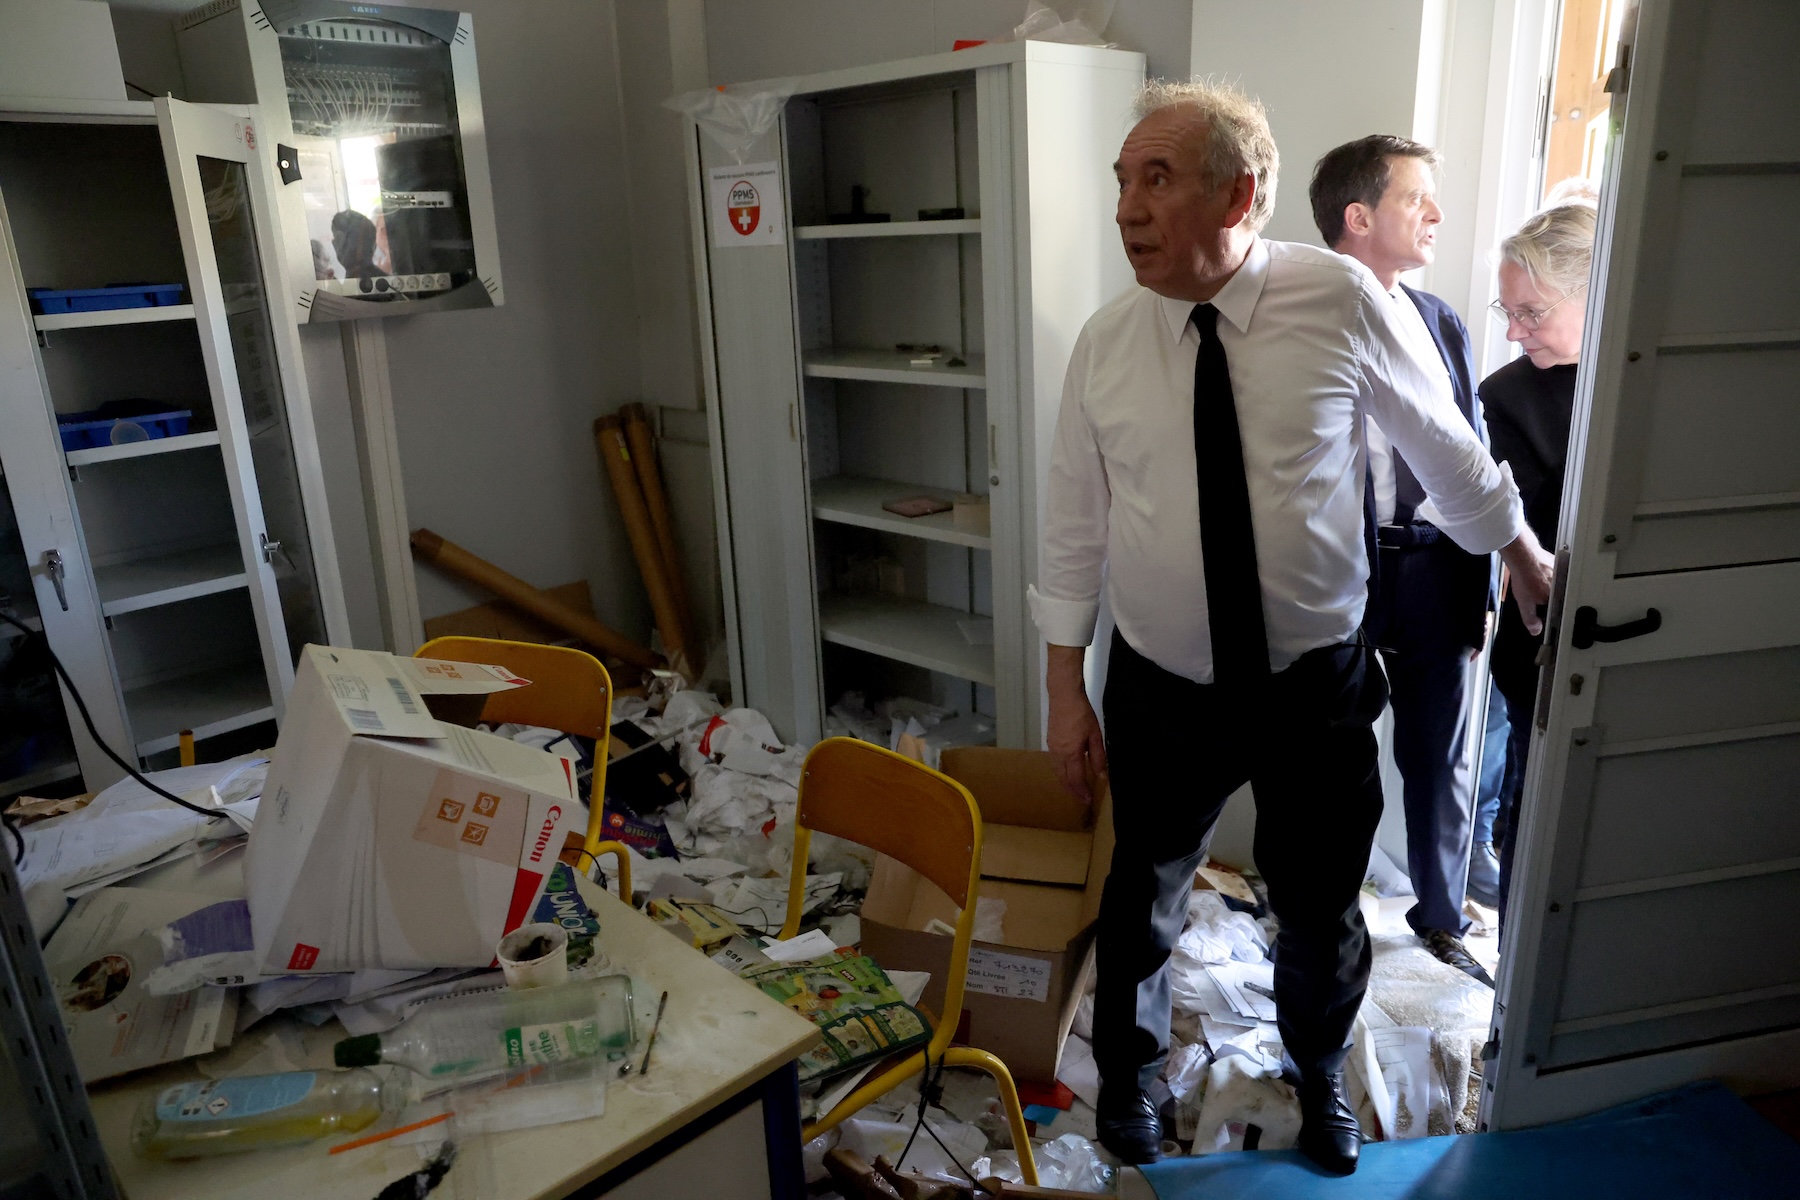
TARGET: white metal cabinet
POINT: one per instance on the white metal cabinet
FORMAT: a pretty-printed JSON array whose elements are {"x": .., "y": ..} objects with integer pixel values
[
  {"x": 1651, "y": 939},
  {"x": 195, "y": 564},
  {"x": 818, "y": 417}
]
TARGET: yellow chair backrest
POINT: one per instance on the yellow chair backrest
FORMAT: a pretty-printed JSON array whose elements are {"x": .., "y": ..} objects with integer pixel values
[
  {"x": 569, "y": 690},
  {"x": 905, "y": 810}
]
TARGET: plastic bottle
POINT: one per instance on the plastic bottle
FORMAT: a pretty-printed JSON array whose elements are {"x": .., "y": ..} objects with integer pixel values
[
  {"x": 254, "y": 1112},
  {"x": 481, "y": 1032}
]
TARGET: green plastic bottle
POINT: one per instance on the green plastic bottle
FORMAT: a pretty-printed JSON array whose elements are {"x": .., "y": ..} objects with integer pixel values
[{"x": 255, "y": 1112}]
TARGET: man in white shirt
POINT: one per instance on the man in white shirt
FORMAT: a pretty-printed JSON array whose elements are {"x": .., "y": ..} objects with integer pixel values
[
  {"x": 1375, "y": 199},
  {"x": 1209, "y": 468}
]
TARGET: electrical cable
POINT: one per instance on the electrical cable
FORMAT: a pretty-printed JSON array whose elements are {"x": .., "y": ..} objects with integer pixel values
[
  {"x": 18, "y": 838},
  {"x": 931, "y": 1089},
  {"x": 88, "y": 720}
]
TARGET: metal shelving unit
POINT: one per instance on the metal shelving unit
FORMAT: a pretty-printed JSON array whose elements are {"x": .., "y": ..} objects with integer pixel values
[
  {"x": 173, "y": 575},
  {"x": 830, "y": 385}
]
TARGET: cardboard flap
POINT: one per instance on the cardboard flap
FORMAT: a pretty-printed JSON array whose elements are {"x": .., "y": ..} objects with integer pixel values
[
  {"x": 1035, "y": 855},
  {"x": 1016, "y": 787},
  {"x": 441, "y": 677},
  {"x": 372, "y": 692},
  {"x": 1039, "y": 918}
]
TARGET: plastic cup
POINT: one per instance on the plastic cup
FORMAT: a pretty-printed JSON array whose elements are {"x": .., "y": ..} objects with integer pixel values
[{"x": 535, "y": 955}]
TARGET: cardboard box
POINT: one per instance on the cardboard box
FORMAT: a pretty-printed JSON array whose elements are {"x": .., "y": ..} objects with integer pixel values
[
  {"x": 386, "y": 838},
  {"x": 1046, "y": 854}
]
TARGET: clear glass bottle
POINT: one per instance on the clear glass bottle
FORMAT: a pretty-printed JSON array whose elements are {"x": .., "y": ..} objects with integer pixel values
[
  {"x": 254, "y": 1112},
  {"x": 478, "y": 1033}
]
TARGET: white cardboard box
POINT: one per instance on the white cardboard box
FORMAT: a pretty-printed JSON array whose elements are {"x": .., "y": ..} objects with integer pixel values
[{"x": 386, "y": 838}]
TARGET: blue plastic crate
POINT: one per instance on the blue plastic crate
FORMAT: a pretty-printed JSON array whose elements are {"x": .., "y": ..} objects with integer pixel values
[
  {"x": 49, "y": 301},
  {"x": 81, "y": 431}
]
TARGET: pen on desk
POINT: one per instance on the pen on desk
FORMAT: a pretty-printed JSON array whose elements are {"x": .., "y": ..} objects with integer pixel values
[{"x": 655, "y": 1025}]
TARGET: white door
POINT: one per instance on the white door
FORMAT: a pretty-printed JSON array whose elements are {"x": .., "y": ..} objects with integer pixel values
[
  {"x": 224, "y": 205},
  {"x": 60, "y": 596},
  {"x": 1653, "y": 937}
]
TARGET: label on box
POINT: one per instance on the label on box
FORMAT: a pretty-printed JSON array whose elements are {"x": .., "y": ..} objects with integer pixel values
[
  {"x": 1011, "y": 975},
  {"x": 472, "y": 817}
]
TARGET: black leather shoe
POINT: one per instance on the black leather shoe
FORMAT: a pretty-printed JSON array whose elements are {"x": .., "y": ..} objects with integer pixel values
[
  {"x": 1449, "y": 949},
  {"x": 1329, "y": 1134},
  {"x": 1129, "y": 1127}
]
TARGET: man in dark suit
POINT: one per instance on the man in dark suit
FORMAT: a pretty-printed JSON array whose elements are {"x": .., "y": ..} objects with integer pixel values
[{"x": 1375, "y": 200}]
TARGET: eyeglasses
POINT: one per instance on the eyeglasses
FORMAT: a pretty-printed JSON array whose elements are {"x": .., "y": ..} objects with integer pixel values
[{"x": 1527, "y": 318}]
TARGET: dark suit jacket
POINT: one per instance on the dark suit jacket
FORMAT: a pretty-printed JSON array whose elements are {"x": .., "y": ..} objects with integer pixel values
[{"x": 1436, "y": 597}]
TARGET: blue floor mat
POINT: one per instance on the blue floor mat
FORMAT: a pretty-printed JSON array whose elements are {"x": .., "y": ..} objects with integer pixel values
[{"x": 1697, "y": 1141}]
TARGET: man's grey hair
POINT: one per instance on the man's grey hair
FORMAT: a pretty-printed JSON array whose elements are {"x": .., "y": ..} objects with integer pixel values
[{"x": 1238, "y": 141}]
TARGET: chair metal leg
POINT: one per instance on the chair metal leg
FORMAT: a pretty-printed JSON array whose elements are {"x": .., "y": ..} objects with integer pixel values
[
  {"x": 965, "y": 1056},
  {"x": 859, "y": 1098}
]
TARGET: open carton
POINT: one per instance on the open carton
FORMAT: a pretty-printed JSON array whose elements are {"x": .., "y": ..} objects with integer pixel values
[
  {"x": 386, "y": 838},
  {"x": 1043, "y": 852}
]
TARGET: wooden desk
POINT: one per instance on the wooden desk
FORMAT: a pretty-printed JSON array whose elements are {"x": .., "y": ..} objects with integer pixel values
[{"x": 723, "y": 1047}]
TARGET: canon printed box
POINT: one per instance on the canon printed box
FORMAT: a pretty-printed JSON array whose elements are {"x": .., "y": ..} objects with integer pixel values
[{"x": 386, "y": 838}]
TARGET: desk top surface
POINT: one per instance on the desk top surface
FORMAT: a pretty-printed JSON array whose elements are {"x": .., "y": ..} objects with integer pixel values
[{"x": 718, "y": 1036}]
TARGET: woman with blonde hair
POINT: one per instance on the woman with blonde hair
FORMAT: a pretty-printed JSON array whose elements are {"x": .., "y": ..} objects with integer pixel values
[{"x": 1529, "y": 405}]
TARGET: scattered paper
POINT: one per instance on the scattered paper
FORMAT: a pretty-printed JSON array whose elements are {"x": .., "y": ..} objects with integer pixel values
[
  {"x": 910, "y": 984},
  {"x": 99, "y": 960},
  {"x": 815, "y": 943},
  {"x": 1403, "y": 1054},
  {"x": 1248, "y": 987}
]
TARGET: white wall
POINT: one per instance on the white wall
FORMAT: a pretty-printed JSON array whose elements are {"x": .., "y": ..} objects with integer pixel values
[{"x": 764, "y": 39}]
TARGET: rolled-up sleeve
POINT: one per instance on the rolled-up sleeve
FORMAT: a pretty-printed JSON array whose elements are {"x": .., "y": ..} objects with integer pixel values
[
  {"x": 1065, "y": 604},
  {"x": 1475, "y": 499}
]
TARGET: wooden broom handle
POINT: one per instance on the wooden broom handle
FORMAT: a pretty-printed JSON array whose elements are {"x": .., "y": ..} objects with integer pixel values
[
  {"x": 609, "y": 439},
  {"x": 638, "y": 436},
  {"x": 432, "y": 548}
]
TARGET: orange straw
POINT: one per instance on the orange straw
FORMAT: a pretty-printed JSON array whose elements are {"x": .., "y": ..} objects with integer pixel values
[{"x": 382, "y": 1137}]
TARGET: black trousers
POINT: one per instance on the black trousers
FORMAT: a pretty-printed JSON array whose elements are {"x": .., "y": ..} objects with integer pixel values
[{"x": 1176, "y": 751}]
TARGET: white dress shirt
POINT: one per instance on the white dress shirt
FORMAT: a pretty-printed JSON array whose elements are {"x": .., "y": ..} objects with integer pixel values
[
  {"x": 1314, "y": 346},
  {"x": 1381, "y": 451}
]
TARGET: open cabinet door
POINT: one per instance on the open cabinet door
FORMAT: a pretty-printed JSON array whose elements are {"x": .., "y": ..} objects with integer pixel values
[
  {"x": 1652, "y": 938},
  {"x": 224, "y": 205}
]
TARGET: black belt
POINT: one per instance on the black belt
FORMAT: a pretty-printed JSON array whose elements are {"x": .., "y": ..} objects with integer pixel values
[{"x": 1413, "y": 536}]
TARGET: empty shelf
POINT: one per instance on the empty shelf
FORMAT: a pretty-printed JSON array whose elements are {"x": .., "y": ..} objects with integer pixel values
[
  {"x": 113, "y": 316},
  {"x": 849, "y": 500},
  {"x": 168, "y": 578},
  {"x": 908, "y": 631},
  {"x": 871, "y": 229},
  {"x": 208, "y": 702},
  {"x": 168, "y": 445},
  {"x": 893, "y": 366},
  {"x": 55, "y": 773}
]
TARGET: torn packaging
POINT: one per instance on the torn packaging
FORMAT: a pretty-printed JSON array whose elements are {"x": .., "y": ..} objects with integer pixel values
[
  {"x": 388, "y": 839},
  {"x": 1053, "y": 851}
]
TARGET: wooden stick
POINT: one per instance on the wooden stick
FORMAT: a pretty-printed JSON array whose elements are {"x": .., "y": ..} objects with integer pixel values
[
  {"x": 434, "y": 549},
  {"x": 609, "y": 438},
  {"x": 656, "y": 499}
]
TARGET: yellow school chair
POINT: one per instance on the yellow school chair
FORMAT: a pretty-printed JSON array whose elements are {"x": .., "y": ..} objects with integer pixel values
[
  {"x": 929, "y": 822},
  {"x": 569, "y": 690}
]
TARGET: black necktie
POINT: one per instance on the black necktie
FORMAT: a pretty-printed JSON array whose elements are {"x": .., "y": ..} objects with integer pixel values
[{"x": 1240, "y": 643}]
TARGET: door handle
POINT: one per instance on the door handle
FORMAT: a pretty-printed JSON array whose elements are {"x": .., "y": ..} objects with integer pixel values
[
  {"x": 1588, "y": 629},
  {"x": 53, "y": 567}
]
